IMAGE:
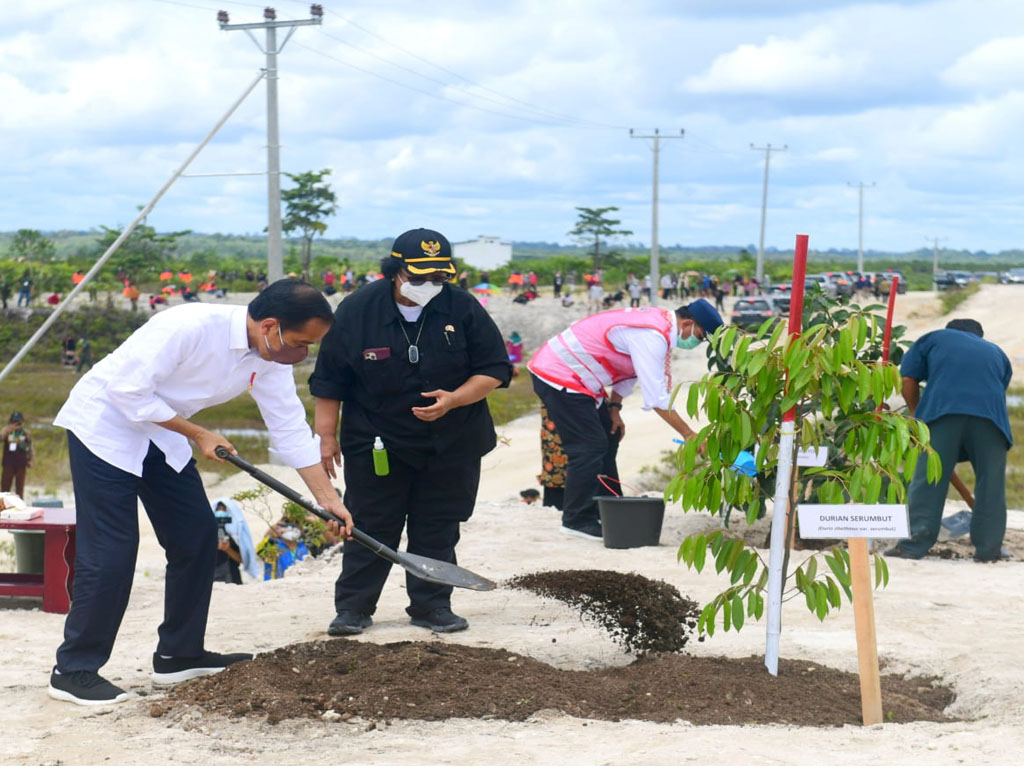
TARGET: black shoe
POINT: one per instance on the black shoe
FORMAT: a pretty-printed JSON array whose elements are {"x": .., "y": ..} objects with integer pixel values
[
  {"x": 349, "y": 623},
  {"x": 85, "y": 688},
  {"x": 178, "y": 669},
  {"x": 440, "y": 620},
  {"x": 1004, "y": 554},
  {"x": 590, "y": 531},
  {"x": 897, "y": 552}
]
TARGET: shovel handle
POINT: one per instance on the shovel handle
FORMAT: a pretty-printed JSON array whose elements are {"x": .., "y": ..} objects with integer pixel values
[{"x": 273, "y": 483}]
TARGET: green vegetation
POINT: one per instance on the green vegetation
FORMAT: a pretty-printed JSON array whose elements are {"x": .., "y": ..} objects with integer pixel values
[
  {"x": 954, "y": 297},
  {"x": 833, "y": 377}
]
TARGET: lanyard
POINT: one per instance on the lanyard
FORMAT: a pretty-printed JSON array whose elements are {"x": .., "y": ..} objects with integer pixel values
[{"x": 414, "y": 350}]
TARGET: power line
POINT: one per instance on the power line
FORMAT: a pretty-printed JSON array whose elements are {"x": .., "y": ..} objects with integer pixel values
[
  {"x": 540, "y": 111},
  {"x": 400, "y": 84},
  {"x": 465, "y": 79}
]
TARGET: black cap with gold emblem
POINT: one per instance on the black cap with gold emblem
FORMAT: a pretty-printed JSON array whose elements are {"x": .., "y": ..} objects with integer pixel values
[{"x": 423, "y": 251}]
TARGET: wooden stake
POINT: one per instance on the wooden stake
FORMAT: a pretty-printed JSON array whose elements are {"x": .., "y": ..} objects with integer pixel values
[{"x": 864, "y": 621}]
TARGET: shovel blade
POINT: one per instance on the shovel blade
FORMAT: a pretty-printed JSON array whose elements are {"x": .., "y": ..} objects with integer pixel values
[{"x": 440, "y": 572}]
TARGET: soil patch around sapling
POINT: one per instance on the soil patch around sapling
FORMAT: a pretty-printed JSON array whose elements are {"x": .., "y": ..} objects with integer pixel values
[
  {"x": 641, "y": 614},
  {"x": 346, "y": 680}
]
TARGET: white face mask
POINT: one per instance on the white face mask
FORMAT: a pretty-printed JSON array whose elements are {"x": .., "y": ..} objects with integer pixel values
[
  {"x": 290, "y": 534},
  {"x": 420, "y": 294}
]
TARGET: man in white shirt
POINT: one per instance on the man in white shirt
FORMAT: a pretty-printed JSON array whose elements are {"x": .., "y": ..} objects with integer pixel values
[
  {"x": 611, "y": 349},
  {"x": 128, "y": 440}
]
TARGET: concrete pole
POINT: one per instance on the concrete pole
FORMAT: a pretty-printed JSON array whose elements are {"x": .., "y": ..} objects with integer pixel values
[
  {"x": 764, "y": 206},
  {"x": 275, "y": 259},
  {"x": 860, "y": 229},
  {"x": 655, "y": 266},
  {"x": 764, "y": 214},
  {"x": 655, "y": 261}
]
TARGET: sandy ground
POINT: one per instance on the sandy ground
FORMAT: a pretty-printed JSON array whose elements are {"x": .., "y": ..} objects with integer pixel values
[{"x": 970, "y": 636}]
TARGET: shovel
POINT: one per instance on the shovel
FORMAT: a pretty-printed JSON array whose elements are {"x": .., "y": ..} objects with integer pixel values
[{"x": 425, "y": 568}]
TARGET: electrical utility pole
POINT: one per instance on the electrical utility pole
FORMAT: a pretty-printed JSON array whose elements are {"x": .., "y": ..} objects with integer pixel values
[
  {"x": 275, "y": 261},
  {"x": 860, "y": 222},
  {"x": 768, "y": 149},
  {"x": 655, "y": 255},
  {"x": 935, "y": 253}
]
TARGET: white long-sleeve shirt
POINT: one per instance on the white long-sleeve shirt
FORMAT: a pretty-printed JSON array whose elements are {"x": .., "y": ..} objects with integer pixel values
[
  {"x": 182, "y": 360},
  {"x": 647, "y": 350}
]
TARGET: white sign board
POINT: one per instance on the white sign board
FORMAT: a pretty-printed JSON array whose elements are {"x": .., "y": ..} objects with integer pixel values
[
  {"x": 812, "y": 457},
  {"x": 853, "y": 521}
]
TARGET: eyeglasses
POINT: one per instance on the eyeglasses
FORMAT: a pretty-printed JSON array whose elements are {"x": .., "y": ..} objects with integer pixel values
[{"x": 438, "y": 278}]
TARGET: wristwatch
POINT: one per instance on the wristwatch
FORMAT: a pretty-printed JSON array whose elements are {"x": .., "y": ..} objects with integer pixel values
[{"x": 614, "y": 405}]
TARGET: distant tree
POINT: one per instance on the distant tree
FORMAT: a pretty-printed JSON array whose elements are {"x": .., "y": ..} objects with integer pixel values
[
  {"x": 32, "y": 245},
  {"x": 592, "y": 226},
  {"x": 307, "y": 204},
  {"x": 144, "y": 251}
]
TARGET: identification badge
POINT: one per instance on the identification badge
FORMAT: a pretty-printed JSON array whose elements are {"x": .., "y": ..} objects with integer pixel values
[
  {"x": 12, "y": 446},
  {"x": 377, "y": 353}
]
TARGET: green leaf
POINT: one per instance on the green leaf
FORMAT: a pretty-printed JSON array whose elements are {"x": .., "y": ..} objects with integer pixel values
[
  {"x": 820, "y": 600},
  {"x": 700, "y": 552},
  {"x": 727, "y": 614},
  {"x": 833, "y": 593},
  {"x": 737, "y": 612},
  {"x": 881, "y": 572},
  {"x": 759, "y": 607},
  {"x": 812, "y": 568},
  {"x": 691, "y": 399},
  {"x": 933, "y": 468},
  {"x": 686, "y": 551}
]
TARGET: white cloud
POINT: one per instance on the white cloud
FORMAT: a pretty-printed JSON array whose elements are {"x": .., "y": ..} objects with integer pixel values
[
  {"x": 992, "y": 67},
  {"x": 812, "y": 61}
]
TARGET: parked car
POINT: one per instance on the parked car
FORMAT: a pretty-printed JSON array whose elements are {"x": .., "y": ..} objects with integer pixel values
[
  {"x": 824, "y": 284},
  {"x": 779, "y": 294},
  {"x": 1015, "y": 275},
  {"x": 951, "y": 278},
  {"x": 842, "y": 282},
  {"x": 888, "y": 275},
  {"x": 751, "y": 312}
]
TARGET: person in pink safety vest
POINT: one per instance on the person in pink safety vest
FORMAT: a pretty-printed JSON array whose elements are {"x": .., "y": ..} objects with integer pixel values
[{"x": 572, "y": 371}]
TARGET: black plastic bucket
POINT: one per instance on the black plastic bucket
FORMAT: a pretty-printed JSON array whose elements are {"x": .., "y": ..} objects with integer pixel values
[{"x": 631, "y": 521}]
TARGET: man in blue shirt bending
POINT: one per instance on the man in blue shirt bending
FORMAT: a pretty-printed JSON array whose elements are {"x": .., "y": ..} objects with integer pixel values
[{"x": 964, "y": 406}]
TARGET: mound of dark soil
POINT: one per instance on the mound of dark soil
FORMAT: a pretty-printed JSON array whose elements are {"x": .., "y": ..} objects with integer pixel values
[
  {"x": 642, "y": 614},
  {"x": 340, "y": 679}
]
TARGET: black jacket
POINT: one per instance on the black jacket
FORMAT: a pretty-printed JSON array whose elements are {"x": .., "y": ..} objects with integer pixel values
[{"x": 364, "y": 362}]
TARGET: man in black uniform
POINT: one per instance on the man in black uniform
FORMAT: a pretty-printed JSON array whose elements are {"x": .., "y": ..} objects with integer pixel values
[{"x": 412, "y": 358}]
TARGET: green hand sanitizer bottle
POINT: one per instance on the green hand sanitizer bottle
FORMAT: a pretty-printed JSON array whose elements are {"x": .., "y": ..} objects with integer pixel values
[{"x": 380, "y": 458}]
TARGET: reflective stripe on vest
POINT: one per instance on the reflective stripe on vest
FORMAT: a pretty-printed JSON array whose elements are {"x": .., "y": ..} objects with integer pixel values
[{"x": 590, "y": 381}]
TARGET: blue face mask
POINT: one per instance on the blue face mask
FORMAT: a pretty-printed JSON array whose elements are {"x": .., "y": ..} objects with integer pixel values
[{"x": 688, "y": 343}]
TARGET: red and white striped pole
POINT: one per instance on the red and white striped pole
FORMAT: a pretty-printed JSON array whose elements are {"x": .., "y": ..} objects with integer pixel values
[{"x": 784, "y": 474}]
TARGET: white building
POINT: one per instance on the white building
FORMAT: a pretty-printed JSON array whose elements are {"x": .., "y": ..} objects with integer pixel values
[{"x": 485, "y": 252}]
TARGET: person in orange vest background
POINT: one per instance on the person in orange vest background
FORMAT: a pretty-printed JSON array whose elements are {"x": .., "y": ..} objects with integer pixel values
[
  {"x": 572, "y": 370},
  {"x": 77, "y": 277},
  {"x": 166, "y": 275}
]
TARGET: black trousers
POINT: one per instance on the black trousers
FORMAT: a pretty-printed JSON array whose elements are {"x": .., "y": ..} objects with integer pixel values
[
  {"x": 429, "y": 503},
  {"x": 589, "y": 445},
  {"x": 106, "y": 505},
  {"x": 959, "y": 437}
]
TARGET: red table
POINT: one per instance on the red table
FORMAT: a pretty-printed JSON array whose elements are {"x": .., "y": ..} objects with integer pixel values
[{"x": 54, "y": 583}]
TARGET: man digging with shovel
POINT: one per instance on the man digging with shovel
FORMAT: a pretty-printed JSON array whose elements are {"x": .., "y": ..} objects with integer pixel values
[{"x": 128, "y": 441}]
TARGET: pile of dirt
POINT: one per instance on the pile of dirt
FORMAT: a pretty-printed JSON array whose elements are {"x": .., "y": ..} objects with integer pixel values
[
  {"x": 338, "y": 680},
  {"x": 641, "y": 614}
]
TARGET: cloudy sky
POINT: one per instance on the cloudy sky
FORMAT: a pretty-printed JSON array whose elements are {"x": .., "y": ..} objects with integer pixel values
[{"x": 499, "y": 117}]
